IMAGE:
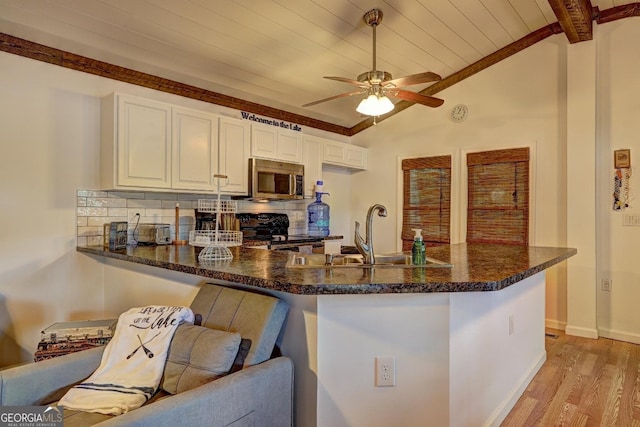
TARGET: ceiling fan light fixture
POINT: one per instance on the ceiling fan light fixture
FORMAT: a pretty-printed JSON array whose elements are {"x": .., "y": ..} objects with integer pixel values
[
  {"x": 377, "y": 83},
  {"x": 374, "y": 105}
]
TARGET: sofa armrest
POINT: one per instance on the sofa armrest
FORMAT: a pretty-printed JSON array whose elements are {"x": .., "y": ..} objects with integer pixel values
[
  {"x": 46, "y": 381},
  {"x": 257, "y": 395}
]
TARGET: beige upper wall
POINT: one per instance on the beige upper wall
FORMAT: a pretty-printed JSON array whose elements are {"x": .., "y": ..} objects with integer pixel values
[{"x": 516, "y": 103}]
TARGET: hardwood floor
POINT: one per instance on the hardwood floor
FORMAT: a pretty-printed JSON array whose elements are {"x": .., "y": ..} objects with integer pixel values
[{"x": 584, "y": 382}]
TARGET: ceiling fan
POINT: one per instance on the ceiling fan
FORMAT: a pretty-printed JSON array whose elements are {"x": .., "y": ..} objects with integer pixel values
[{"x": 380, "y": 84}]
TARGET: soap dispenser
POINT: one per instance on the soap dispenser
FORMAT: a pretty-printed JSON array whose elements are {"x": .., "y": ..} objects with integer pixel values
[{"x": 418, "y": 249}]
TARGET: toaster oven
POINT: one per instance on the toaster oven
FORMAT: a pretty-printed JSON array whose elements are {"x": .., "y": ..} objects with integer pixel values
[{"x": 154, "y": 234}]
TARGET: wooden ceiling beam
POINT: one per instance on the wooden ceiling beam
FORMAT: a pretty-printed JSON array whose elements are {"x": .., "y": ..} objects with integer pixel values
[
  {"x": 575, "y": 18},
  {"x": 72, "y": 61},
  {"x": 618, "y": 12}
]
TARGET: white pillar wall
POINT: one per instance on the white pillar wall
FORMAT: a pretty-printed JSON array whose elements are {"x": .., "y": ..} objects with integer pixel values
[
  {"x": 581, "y": 188},
  {"x": 462, "y": 358}
]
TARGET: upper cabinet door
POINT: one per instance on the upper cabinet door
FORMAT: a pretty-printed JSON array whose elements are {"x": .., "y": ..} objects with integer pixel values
[
  {"x": 195, "y": 149},
  {"x": 143, "y": 143},
  {"x": 269, "y": 142},
  {"x": 234, "y": 140},
  {"x": 352, "y": 156},
  {"x": 264, "y": 142},
  {"x": 356, "y": 157},
  {"x": 289, "y": 146}
]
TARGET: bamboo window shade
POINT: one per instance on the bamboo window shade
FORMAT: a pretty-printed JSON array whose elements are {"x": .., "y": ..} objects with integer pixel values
[
  {"x": 498, "y": 197},
  {"x": 426, "y": 200}
]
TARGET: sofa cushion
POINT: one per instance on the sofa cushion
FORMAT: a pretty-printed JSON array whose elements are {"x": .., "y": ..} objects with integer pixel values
[
  {"x": 198, "y": 355},
  {"x": 256, "y": 317}
]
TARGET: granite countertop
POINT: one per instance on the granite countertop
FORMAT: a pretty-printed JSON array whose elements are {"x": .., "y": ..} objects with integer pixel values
[{"x": 476, "y": 267}]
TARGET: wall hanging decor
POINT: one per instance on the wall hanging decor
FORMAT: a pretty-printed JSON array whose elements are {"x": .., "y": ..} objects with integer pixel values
[{"x": 621, "y": 190}]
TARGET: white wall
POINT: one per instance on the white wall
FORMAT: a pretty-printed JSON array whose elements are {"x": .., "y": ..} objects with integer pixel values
[
  {"x": 520, "y": 102},
  {"x": 355, "y": 329},
  {"x": 50, "y": 137},
  {"x": 337, "y": 182},
  {"x": 496, "y": 348},
  {"x": 457, "y": 362},
  {"x": 581, "y": 193},
  {"x": 618, "y": 127},
  {"x": 49, "y": 133}
]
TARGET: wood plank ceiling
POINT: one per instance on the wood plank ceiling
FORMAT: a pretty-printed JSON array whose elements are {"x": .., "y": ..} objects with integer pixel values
[{"x": 269, "y": 56}]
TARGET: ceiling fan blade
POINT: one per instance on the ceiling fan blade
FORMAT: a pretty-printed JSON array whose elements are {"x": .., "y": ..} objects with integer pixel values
[
  {"x": 331, "y": 98},
  {"x": 407, "y": 95},
  {"x": 413, "y": 79},
  {"x": 347, "y": 80}
]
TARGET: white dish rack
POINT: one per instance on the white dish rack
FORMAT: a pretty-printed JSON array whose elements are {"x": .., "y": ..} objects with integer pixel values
[
  {"x": 215, "y": 237},
  {"x": 216, "y": 242},
  {"x": 217, "y": 206}
]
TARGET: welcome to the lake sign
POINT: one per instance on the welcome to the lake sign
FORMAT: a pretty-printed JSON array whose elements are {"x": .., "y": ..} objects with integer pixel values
[{"x": 271, "y": 122}]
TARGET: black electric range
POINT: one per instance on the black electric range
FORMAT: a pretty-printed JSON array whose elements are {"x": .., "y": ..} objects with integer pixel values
[{"x": 270, "y": 228}]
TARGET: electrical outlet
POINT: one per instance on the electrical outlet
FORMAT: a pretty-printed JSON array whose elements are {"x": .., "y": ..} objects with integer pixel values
[
  {"x": 631, "y": 220},
  {"x": 385, "y": 372},
  {"x": 606, "y": 284},
  {"x": 511, "y": 324}
]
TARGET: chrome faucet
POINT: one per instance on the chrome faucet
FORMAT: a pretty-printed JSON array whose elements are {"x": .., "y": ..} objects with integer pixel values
[{"x": 365, "y": 246}]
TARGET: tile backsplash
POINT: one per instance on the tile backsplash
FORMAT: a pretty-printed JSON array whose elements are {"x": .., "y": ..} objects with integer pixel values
[{"x": 96, "y": 208}]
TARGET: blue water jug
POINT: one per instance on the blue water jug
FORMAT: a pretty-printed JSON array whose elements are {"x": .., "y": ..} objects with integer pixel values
[{"x": 318, "y": 212}]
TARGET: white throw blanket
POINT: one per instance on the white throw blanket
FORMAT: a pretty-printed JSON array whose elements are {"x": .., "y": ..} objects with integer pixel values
[{"x": 132, "y": 363}]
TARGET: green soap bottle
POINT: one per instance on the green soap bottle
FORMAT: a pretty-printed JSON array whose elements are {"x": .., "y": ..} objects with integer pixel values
[{"x": 418, "y": 250}]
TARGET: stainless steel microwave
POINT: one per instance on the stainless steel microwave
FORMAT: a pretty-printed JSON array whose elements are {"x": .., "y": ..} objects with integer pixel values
[{"x": 275, "y": 180}]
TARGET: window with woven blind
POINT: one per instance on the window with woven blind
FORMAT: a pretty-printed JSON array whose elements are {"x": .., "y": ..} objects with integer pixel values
[
  {"x": 426, "y": 200},
  {"x": 498, "y": 194}
]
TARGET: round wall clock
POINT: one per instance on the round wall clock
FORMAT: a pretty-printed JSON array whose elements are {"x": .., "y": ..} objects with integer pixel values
[{"x": 459, "y": 113}]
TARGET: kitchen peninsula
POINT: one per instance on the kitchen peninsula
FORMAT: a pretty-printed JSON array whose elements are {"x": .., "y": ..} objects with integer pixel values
[{"x": 466, "y": 340}]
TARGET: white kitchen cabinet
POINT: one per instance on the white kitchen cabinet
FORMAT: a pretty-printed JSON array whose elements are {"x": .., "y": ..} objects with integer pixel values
[
  {"x": 195, "y": 149},
  {"x": 339, "y": 154},
  {"x": 136, "y": 143},
  {"x": 312, "y": 160},
  {"x": 289, "y": 146},
  {"x": 270, "y": 142},
  {"x": 149, "y": 145},
  {"x": 234, "y": 146}
]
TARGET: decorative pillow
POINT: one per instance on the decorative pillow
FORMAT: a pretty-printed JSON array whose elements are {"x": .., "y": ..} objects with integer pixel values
[{"x": 198, "y": 355}]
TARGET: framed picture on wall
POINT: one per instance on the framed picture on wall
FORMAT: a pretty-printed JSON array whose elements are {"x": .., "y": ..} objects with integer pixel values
[{"x": 622, "y": 159}]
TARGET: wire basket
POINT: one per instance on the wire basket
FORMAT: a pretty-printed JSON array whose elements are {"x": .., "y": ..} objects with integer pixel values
[
  {"x": 215, "y": 238},
  {"x": 214, "y": 253},
  {"x": 217, "y": 206}
]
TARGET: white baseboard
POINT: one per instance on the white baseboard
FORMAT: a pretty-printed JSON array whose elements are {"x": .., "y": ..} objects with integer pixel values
[
  {"x": 510, "y": 401},
  {"x": 620, "y": 335},
  {"x": 581, "y": 332},
  {"x": 555, "y": 324}
]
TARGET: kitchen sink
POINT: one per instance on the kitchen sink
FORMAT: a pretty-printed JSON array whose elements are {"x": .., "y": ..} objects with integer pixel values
[{"x": 400, "y": 260}]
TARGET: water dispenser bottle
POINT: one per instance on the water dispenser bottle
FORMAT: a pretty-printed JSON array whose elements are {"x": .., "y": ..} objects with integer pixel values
[{"x": 318, "y": 212}]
